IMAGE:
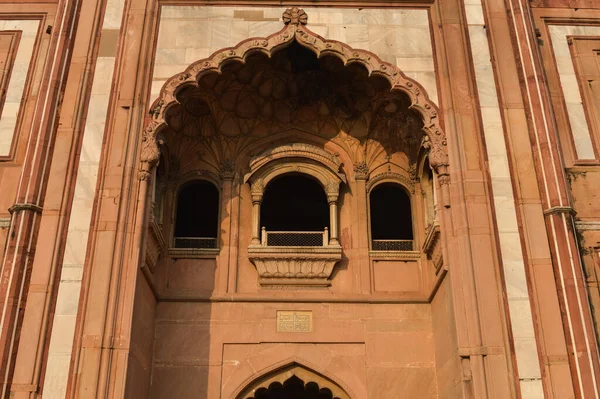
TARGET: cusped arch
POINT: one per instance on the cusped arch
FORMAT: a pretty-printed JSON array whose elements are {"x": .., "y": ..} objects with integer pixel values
[
  {"x": 295, "y": 31},
  {"x": 297, "y": 370}
]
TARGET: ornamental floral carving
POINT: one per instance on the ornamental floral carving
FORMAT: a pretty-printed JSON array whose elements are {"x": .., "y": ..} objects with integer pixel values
[{"x": 295, "y": 16}]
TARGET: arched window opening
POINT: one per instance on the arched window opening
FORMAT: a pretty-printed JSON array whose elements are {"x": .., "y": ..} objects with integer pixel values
[
  {"x": 294, "y": 212},
  {"x": 391, "y": 219},
  {"x": 428, "y": 192},
  {"x": 196, "y": 223}
]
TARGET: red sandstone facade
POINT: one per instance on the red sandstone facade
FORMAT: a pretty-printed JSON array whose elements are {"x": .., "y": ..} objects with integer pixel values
[{"x": 483, "y": 116}]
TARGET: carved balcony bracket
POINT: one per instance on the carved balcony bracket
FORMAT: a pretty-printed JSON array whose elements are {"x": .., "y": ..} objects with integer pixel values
[
  {"x": 289, "y": 267},
  {"x": 155, "y": 245},
  {"x": 433, "y": 246}
]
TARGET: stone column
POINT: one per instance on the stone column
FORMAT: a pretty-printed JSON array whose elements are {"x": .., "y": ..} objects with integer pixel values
[
  {"x": 333, "y": 222},
  {"x": 257, "y": 194},
  {"x": 333, "y": 192}
]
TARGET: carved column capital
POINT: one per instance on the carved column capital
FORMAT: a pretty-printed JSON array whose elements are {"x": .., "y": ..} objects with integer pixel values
[
  {"x": 361, "y": 170},
  {"x": 227, "y": 169}
]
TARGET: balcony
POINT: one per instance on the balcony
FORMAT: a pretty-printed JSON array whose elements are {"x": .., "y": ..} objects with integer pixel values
[{"x": 295, "y": 258}]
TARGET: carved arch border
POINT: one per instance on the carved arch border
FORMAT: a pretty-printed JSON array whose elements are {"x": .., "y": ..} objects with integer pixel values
[
  {"x": 287, "y": 363},
  {"x": 391, "y": 177},
  {"x": 434, "y": 140},
  {"x": 300, "y": 158}
]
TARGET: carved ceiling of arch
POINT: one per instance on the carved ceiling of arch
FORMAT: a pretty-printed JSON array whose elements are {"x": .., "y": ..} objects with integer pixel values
[{"x": 293, "y": 79}]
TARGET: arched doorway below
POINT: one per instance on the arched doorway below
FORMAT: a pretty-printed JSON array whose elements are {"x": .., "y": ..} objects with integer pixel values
[{"x": 293, "y": 382}]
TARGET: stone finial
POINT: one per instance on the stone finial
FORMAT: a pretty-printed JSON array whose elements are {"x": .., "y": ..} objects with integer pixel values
[{"x": 295, "y": 16}]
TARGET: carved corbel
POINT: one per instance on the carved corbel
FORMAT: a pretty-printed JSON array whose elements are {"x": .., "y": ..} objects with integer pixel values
[
  {"x": 150, "y": 153},
  {"x": 436, "y": 144}
]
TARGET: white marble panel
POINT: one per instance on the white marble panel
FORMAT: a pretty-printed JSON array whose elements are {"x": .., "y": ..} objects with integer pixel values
[
  {"x": 397, "y": 36},
  {"x": 57, "y": 372},
  {"x": 520, "y": 307},
  {"x": 69, "y": 289},
  {"x": 504, "y": 205},
  {"x": 16, "y": 85},
  {"x": 65, "y": 306},
  {"x": 532, "y": 389},
  {"x": 580, "y": 131},
  {"x": 568, "y": 81}
]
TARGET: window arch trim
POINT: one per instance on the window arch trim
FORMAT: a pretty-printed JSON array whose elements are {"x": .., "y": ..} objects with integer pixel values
[
  {"x": 390, "y": 177},
  {"x": 195, "y": 175},
  {"x": 295, "y": 158}
]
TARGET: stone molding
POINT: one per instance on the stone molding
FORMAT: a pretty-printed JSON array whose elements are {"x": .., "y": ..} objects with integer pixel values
[
  {"x": 394, "y": 254},
  {"x": 555, "y": 210},
  {"x": 4, "y": 223},
  {"x": 194, "y": 253},
  {"x": 25, "y": 207},
  {"x": 295, "y": 31},
  {"x": 580, "y": 225}
]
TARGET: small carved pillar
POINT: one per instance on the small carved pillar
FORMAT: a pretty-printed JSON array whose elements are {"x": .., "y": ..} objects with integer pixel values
[
  {"x": 257, "y": 194},
  {"x": 359, "y": 222},
  {"x": 227, "y": 175},
  {"x": 333, "y": 192}
]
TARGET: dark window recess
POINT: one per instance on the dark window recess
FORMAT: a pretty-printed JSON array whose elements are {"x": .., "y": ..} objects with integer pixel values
[
  {"x": 391, "y": 220},
  {"x": 197, "y": 216},
  {"x": 294, "y": 203}
]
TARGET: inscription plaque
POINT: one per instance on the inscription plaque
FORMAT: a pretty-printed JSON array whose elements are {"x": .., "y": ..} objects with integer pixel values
[{"x": 294, "y": 321}]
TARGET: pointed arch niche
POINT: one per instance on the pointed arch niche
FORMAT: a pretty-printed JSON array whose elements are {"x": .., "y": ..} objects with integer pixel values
[
  {"x": 292, "y": 381},
  {"x": 240, "y": 104}
]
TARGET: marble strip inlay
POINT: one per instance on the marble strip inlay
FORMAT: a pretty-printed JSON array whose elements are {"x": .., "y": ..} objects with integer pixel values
[
  {"x": 519, "y": 307},
  {"x": 67, "y": 303}
]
